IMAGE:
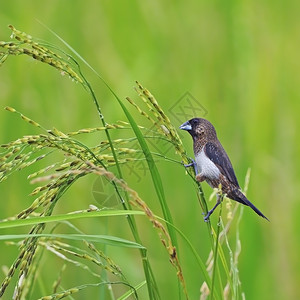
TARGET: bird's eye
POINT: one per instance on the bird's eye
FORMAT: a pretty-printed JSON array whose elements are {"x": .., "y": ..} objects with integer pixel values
[{"x": 194, "y": 123}]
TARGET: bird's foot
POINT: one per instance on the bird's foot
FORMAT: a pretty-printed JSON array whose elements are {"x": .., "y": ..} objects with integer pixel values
[
  {"x": 206, "y": 218},
  {"x": 192, "y": 164},
  {"x": 189, "y": 165}
]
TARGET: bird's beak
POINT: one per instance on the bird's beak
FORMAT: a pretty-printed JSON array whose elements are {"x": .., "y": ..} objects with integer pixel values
[{"x": 186, "y": 126}]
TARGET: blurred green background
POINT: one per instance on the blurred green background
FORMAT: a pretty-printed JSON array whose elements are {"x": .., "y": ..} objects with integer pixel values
[{"x": 238, "y": 59}]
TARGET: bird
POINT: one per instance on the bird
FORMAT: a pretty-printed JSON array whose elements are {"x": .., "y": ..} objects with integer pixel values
[{"x": 212, "y": 163}]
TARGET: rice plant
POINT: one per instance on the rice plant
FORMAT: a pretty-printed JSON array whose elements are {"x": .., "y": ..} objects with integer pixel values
[{"x": 73, "y": 160}]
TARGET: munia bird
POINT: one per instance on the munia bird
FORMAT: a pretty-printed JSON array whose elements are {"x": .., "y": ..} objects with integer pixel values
[{"x": 212, "y": 164}]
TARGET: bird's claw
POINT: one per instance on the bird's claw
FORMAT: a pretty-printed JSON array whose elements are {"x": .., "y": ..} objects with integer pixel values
[
  {"x": 192, "y": 164},
  {"x": 189, "y": 165},
  {"x": 206, "y": 218}
]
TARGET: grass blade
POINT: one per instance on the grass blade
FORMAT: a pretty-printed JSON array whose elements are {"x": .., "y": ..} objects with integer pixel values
[
  {"x": 151, "y": 164},
  {"x": 64, "y": 217},
  {"x": 103, "y": 239},
  {"x": 131, "y": 292}
]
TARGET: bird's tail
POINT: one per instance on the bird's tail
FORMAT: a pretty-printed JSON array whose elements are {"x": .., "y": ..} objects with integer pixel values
[{"x": 242, "y": 199}]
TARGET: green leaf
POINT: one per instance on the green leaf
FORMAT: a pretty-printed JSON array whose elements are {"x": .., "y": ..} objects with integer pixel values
[
  {"x": 64, "y": 217},
  {"x": 153, "y": 170},
  {"x": 131, "y": 292},
  {"x": 149, "y": 158},
  {"x": 103, "y": 239}
]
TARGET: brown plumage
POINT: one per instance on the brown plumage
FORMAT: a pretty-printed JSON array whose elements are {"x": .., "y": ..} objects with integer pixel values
[{"x": 213, "y": 164}]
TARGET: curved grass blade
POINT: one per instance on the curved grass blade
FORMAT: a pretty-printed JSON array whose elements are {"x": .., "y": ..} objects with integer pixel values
[
  {"x": 103, "y": 239},
  {"x": 69, "y": 292},
  {"x": 153, "y": 290},
  {"x": 198, "y": 258},
  {"x": 64, "y": 217},
  {"x": 151, "y": 164},
  {"x": 131, "y": 292}
]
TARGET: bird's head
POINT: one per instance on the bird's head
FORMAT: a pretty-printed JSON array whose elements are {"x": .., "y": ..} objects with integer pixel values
[{"x": 199, "y": 129}]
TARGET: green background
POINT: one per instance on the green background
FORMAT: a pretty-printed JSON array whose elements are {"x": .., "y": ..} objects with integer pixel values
[{"x": 238, "y": 59}]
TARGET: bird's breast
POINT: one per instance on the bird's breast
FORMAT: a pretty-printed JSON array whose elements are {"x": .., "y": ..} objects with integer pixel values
[{"x": 206, "y": 167}]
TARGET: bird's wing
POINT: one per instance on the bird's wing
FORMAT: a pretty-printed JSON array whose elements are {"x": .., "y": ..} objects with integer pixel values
[{"x": 221, "y": 160}]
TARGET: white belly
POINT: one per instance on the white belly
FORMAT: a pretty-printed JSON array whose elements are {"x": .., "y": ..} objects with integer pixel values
[{"x": 206, "y": 167}]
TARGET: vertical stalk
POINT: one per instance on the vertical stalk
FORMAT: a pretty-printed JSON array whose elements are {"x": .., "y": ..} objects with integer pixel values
[{"x": 216, "y": 251}]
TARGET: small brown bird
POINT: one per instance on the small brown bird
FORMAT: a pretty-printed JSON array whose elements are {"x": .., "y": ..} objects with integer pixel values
[{"x": 212, "y": 163}]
